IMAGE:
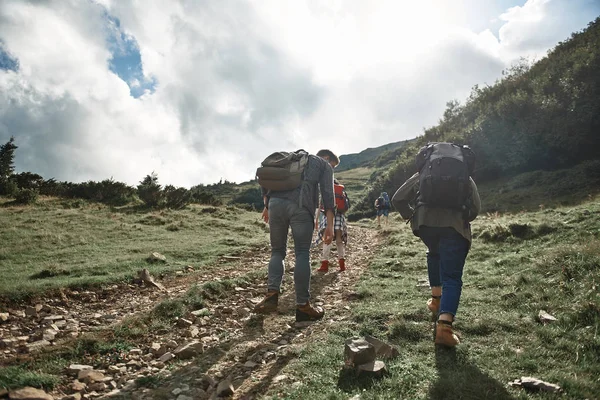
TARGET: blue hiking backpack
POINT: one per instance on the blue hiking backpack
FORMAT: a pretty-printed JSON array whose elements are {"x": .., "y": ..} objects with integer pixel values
[{"x": 386, "y": 201}]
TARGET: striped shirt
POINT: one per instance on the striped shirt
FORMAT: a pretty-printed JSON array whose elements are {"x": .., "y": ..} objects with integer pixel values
[{"x": 317, "y": 174}]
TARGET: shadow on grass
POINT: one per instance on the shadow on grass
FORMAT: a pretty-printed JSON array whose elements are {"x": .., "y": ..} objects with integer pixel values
[
  {"x": 459, "y": 379},
  {"x": 349, "y": 382}
]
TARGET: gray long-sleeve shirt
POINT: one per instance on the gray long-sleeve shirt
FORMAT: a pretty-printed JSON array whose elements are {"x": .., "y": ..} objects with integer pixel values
[{"x": 317, "y": 174}]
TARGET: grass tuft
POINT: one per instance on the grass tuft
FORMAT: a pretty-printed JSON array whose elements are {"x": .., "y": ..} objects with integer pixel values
[{"x": 17, "y": 377}]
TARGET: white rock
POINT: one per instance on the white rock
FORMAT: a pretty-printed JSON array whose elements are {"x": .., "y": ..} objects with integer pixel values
[{"x": 74, "y": 369}]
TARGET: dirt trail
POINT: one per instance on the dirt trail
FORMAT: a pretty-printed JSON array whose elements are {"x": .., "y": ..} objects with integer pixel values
[{"x": 247, "y": 349}]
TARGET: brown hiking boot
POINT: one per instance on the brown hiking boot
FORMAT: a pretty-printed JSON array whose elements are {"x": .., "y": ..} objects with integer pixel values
[
  {"x": 268, "y": 304},
  {"x": 444, "y": 335},
  {"x": 434, "y": 305},
  {"x": 324, "y": 266},
  {"x": 342, "y": 264},
  {"x": 307, "y": 312}
]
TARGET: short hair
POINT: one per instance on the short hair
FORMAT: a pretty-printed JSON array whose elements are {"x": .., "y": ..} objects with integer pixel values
[{"x": 330, "y": 155}]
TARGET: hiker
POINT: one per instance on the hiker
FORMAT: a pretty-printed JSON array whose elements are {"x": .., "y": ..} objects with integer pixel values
[
  {"x": 382, "y": 205},
  {"x": 295, "y": 208},
  {"x": 342, "y": 204},
  {"x": 440, "y": 201}
]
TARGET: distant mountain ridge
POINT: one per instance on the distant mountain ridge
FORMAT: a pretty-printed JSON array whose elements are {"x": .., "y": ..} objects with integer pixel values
[{"x": 379, "y": 156}]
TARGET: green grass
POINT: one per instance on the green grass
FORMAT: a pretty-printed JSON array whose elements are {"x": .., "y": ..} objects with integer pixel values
[
  {"x": 17, "y": 377},
  {"x": 355, "y": 180},
  {"x": 542, "y": 189},
  {"x": 519, "y": 264},
  {"x": 58, "y": 243}
]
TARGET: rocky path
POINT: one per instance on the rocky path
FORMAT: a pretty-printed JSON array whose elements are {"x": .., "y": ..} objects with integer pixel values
[{"x": 221, "y": 350}]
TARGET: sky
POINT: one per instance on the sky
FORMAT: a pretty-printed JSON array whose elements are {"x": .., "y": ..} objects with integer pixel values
[{"x": 203, "y": 90}]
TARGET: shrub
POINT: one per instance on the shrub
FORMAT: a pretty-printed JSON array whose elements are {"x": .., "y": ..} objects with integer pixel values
[
  {"x": 495, "y": 233},
  {"x": 114, "y": 193},
  {"x": 51, "y": 187},
  {"x": 108, "y": 192},
  {"x": 176, "y": 197},
  {"x": 251, "y": 196},
  {"x": 150, "y": 192},
  {"x": 26, "y": 196},
  {"x": 8, "y": 187},
  {"x": 204, "y": 197},
  {"x": 28, "y": 180}
]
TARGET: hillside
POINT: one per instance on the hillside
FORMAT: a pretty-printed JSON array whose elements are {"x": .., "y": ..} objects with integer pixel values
[
  {"x": 377, "y": 157},
  {"x": 541, "y": 117},
  {"x": 74, "y": 267}
]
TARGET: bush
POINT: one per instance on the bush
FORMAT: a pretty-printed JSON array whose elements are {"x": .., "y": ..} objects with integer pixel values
[
  {"x": 108, "y": 192},
  {"x": 176, "y": 197},
  {"x": 150, "y": 192},
  {"x": 26, "y": 196},
  {"x": 8, "y": 188},
  {"x": 203, "y": 197},
  {"x": 251, "y": 196},
  {"x": 51, "y": 187},
  {"x": 27, "y": 180}
]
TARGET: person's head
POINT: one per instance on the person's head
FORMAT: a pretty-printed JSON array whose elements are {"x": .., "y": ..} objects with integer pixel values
[
  {"x": 328, "y": 156},
  {"x": 383, "y": 194}
]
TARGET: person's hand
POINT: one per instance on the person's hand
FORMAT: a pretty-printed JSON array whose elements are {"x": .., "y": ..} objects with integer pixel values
[
  {"x": 265, "y": 215},
  {"x": 328, "y": 236}
]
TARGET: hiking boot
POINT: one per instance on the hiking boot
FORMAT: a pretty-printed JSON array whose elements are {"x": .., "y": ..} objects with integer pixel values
[
  {"x": 444, "y": 335},
  {"x": 307, "y": 312},
  {"x": 434, "y": 305},
  {"x": 268, "y": 304},
  {"x": 342, "y": 264},
  {"x": 324, "y": 266}
]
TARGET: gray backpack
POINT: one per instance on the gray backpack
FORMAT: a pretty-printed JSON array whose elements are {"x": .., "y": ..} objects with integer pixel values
[
  {"x": 444, "y": 171},
  {"x": 282, "y": 170}
]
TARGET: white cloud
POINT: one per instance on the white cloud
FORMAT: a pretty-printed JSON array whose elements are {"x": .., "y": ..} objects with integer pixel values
[
  {"x": 239, "y": 79},
  {"x": 532, "y": 29}
]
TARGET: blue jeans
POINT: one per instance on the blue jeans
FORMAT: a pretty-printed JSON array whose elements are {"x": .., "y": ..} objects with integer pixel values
[
  {"x": 446, "y": 255},
  {"x": 284, "y": 214}
]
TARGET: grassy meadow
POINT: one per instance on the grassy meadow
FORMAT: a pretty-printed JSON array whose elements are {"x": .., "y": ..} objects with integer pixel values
[
  {"x": 355, "y": 181},
  {"x": 519, "y": 264},
  {"x": 57, "y": 243}
]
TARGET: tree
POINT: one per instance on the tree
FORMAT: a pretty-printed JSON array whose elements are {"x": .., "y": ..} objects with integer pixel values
[
  {"x": 150, "y": 191},
  {"x": 7, "y": 156}
]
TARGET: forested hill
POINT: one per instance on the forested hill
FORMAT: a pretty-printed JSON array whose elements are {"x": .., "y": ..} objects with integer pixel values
[{"x": 540, "y": 117}]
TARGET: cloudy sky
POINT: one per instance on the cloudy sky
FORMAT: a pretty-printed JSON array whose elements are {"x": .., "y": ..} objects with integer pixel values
[{"x": 199, "y": 90}]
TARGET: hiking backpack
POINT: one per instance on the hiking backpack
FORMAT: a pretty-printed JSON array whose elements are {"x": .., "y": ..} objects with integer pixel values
[
  {"x": 282, "y": 170},
  {"x": 342, "y": 202},
  {"x": 386, "y": 201},
  {"x": 444, "y": 171}
]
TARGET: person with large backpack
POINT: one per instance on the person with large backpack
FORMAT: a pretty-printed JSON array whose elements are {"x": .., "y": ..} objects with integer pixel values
[
  {"x": 383, "y": 205},
  {"x": 290, "y": 184},
  {"x": 441, "y": 200},
  {"x": 340, "y": 228}
]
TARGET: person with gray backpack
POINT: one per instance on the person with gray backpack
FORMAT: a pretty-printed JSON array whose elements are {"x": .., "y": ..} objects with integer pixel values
[
  {"x": 441, "y": 200},
  {"x": 290, "y": 184}
]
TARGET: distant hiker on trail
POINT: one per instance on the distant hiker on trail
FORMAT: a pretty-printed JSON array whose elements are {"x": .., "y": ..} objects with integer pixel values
[
  {"x": 342, "y": 204},
  {"x": 290, "y": 183},
  {"x": 382, "y": 204},
  {"x": 445, "y": 200}
]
